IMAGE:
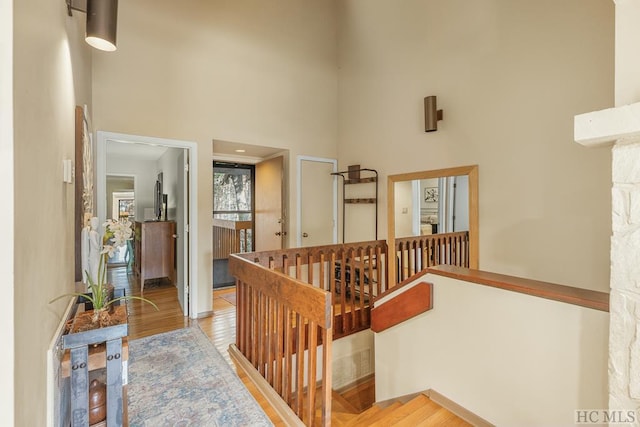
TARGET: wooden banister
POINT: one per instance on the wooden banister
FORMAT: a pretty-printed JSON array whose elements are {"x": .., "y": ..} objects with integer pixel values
[
  {"x": 577, "y": 296},
  {"x": 278, "y": 318}
]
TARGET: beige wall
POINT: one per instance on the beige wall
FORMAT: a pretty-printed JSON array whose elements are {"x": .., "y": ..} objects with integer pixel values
[
  {"x": 251, "y": 72},
  {"x": 51, "y": 76},
  {"x": 510, "y": 76},
  {"x": 6, "y": 215},
  {"x": 493, "y": 352},
  {"x": 626, "y": 58}
]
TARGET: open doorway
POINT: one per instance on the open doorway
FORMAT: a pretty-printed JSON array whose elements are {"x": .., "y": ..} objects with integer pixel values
[
  {"x": 233, "y": 216},
  {"x": 146, "y": 158}
]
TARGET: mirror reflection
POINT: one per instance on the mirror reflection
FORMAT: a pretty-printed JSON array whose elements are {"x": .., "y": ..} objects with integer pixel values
[
  {"x": 431, "y": 206},
  {"x": 432, "y": 219}
]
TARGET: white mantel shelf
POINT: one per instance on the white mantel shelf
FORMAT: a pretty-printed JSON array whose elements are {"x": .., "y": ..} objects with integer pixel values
[{"x": 613, "y": 125}]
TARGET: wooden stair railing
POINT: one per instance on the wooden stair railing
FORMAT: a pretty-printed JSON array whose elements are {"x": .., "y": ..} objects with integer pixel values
[
  {"x": 353, "y": 273},
  {"x": 230, "y": 237},
  {"x": 274, "y": 313}
]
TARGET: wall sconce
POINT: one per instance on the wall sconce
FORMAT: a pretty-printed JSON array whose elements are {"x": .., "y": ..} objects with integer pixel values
[
  {"x": 431, "y": 114},
  {"x": 102, "y": 21}
]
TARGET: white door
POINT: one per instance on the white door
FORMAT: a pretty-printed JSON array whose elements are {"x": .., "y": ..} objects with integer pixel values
[
  {"x": 182, "y": 242},
  {"x": 270, "y": 227},
  {"x": 317, "y": 202}
]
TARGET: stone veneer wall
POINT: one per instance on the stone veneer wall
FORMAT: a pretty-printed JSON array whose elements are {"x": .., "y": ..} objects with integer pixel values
[{"x": 624, "y": 326}]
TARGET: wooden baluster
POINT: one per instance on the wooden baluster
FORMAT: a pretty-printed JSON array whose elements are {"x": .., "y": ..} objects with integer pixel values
[
  {"x": 255, "y": 334},
  {"x": 298, "y": 267},
  {"x": 310, "y": 270},
  {"x": 322, "y": 284},
  {"x": 288, "y": 356},
  {"x": 260, "y": 332},
  {"x": 240, "y": 307},
  {"x": 363, "y": 286},
  {"x": 327, "y": 342},
  {"x": 311, "y": 371},
  {"x": 279, "y": 342},
  {"x": 300, "y": 337},
  {"x": 285, "y": 265},
  {"x": 352, "y": 286},
  {"x": 269, "y": 341}
]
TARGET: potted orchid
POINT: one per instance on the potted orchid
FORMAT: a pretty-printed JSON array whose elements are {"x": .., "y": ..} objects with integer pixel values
[{"x": 100, "y": 293}]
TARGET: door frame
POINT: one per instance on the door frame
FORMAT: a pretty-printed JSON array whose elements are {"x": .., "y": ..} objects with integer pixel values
[
  {"x": 334, "y": 162},
  {"x": 192, "y": 148}
]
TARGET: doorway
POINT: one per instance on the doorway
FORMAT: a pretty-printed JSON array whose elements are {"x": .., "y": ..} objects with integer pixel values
[
  {"x": 133, "y": 148},
  {"x": 233, "y": 216}
]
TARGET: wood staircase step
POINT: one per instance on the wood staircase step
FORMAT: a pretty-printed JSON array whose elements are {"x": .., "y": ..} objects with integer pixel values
[
  {"x": 431, "y": 414},
  {"x": 341, "y": 404},
  {"x": 372, "y": 414},
  {"x": 418, "y": 403},
  {"x": 443, "y": 417}
]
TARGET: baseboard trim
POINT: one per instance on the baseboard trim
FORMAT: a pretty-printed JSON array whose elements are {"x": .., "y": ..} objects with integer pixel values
[
  {"x": 460, "y": 411},
  {"x": 443, "y": 401},
  {"x": 280, "y": 406},
  {"x": 204, "y": 314},
  {"x": 402, "y": 399}
]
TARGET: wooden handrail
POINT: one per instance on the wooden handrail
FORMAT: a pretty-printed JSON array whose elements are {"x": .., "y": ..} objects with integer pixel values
[
  {"x": 276, "y": 312},
  {"x": 577, "y": 296}
]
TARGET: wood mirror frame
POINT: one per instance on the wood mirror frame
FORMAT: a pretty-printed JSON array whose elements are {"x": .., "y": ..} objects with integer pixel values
[{"x": 471, "y": 172}]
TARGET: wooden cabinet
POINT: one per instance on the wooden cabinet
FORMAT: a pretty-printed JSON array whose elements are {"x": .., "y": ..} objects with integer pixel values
[{"x": 154, "y": 251}]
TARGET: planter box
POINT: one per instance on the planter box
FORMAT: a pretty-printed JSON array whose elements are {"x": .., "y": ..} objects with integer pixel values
[{"x": 78, "y": 344}]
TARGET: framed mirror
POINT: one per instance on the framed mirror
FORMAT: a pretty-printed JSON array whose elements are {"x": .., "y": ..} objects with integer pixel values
[{"x": 433, "y": 202}]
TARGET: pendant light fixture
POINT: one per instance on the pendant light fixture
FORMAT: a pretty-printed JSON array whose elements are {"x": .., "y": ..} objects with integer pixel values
[{"x": 102, "y": 21}]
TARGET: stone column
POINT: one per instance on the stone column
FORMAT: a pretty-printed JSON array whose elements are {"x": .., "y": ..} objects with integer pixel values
[{"x": 624, "y": 326}]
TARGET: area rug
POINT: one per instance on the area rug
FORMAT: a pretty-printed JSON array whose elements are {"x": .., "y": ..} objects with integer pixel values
[
  {"x": 179, "y": 379},
  {"x": 157, "y": 283}
]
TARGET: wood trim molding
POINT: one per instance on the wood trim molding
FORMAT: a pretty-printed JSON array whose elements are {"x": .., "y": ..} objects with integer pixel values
[
  {"x": 279, "y": 405},
  {"x": 79, "y": 186},
  {"x": 403, "y": 306},
  {"x": 577, "y": 296}
]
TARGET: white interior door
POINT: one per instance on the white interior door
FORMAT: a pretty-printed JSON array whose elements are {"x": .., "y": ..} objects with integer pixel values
[
  {"x": 270, "y": 227},
  {"x": 182, "y": 242},
  {"x": 317, "y": 202}
]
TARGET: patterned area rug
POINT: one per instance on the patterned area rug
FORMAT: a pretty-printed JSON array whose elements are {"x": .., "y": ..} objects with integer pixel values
[{"x": 179, "y": 379}]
